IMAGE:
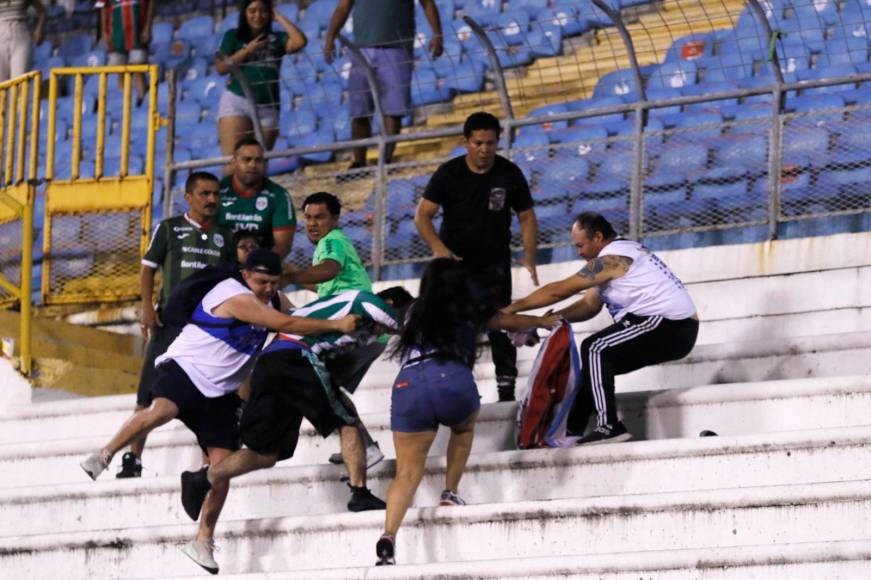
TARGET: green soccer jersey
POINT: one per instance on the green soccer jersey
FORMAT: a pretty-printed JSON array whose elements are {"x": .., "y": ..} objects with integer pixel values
[
  {"x": 352, "y": 275},
  {"x": 265, "y": 211},
  {"x": 368, "y": 306},
  {"x": 180, "y": 247},
  {"x": 128, "y": 17},
  {"x": 261, "y": 69}
]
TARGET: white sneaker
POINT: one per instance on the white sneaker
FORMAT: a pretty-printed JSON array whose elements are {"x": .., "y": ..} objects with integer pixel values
[
  {"x": 94, "y": 465},
  {"x": 202, "y": 552},
  {"x": 373, "y": 456}
]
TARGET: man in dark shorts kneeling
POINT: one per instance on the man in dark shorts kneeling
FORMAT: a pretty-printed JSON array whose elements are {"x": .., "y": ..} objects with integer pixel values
[{"x": 290, "y": 381}]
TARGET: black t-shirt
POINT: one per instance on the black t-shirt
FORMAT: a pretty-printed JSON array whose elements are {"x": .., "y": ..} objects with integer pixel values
[{"x": 477, "y": 207}]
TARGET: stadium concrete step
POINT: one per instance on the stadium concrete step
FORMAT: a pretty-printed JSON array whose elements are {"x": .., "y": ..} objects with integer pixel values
[
  {"x": 777, "y": 515},
  {"x": 847, "y": 560},
  {"x": 734, "y": 409},
  {"x": 643, "y": 467}
]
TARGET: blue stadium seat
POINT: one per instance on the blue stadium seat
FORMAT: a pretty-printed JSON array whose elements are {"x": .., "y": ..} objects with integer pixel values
[
  {"x": 691, "y": 47},
  {"x": 675, "y": 163},
  {"x": 820, "y": 108},
  {"x": 112, "y": 165},
  {"x": 320, "y": 137},
  {"x": 806, "y": 144},
  {"x": 71, "y": 261},
  {"x": 201, "y": 137},
  {"x": 469, "y": 78},
  {"x": 161, "y": 33},
  {"x": 485, "y": 12},
  {"x": 565, "y": 17},
  {"x": 729, "y": 65},
  {"x": 586, "y": 10},
  {"x": 104, "y": 230},
  {"x": 597, "y": 103},
  {"x": 549, "y": 110},
  {"x": 532, "y": 139},
  {"x": 513, "y": 27},
  {"x": 545, "y": 40},
  {"x": 96, "y": 57},
  {"x": 619, "y": 83},
  {"x": 720, "y": 106},
  {"x": 196, "y": 29},
  {"x": 187, "y": 114},
  {"x": 41, "y": 53},
  {"x": 701, "y": 125},
  {"x": 295, "y": 124},
  {"x": 231, "y": 20},
  {"x": 425, "y": 87},
  {"x": 207, "y": 90},
  {"x": 673, "y": 75},
  {"x": 75, "y": 45},
  {"x": 192, "y": 69}
]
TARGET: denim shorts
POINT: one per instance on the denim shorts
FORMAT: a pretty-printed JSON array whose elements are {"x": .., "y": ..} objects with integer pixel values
[
  {"x": 430, "y": 393},
  {"x": 392, "y": 68}
]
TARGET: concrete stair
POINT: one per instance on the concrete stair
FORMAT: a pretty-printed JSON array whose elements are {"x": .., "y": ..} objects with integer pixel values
[{"x": 781, "y": 373}]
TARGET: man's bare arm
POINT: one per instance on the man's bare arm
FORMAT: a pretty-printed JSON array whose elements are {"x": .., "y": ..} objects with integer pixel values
[
  {"x": 584, "y": 309},
  {"x": 247, "y": 308},
  {"x": 423, "y": 220},
  {"x": 595, "y": 272}
]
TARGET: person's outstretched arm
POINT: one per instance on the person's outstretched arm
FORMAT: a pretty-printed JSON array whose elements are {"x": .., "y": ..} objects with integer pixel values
[
  {"x": 249, "y": 309},
  {"x": 521, "y": 322},
  {"x": 596, "y": 271}
]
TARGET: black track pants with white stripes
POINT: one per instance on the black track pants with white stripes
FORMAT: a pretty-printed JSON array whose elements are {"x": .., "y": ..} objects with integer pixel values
[{"x": 632, "y": 343}]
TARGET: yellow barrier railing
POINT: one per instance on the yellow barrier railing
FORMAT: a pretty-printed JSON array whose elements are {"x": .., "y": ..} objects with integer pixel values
[
  {"x": 97, "y": 225},
  {"x": 19, "y": 104}
]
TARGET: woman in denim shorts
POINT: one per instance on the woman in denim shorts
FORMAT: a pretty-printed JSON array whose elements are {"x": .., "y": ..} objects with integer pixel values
[{"x": 435, "y": 386}]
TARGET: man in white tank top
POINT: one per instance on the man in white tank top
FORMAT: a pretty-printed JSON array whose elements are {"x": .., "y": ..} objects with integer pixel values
[
  {"x": 202, "y": 369},
  {"x": 654, "y": 319}
]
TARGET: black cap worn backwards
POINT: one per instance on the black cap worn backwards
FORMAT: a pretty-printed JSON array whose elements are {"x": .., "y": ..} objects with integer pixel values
[{"x": 263, "y": 261}]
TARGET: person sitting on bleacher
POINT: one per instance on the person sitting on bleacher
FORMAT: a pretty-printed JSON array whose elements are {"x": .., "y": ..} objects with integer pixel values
[
  {"x": 255, "y": 49},
  {"x": 435, "y": 386},
  {"x": 655, "y": 319}
]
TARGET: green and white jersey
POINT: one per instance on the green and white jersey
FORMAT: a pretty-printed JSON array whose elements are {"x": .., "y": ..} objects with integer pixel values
[
  {"x": 260, "y": 69},
  {"x": 352, "y": 275},
  {"x": 265, "y": 211},
  {"x": 180, "y": 246},
  {"x": 368, "y": 306}
]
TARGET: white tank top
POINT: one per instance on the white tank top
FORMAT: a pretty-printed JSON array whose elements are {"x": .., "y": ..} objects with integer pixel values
[
  {"x": 649, "y": 288},
  {"x": 218, "y": 353}
]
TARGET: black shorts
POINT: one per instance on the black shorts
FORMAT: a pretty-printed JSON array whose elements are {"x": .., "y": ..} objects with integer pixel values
[
  {"x": 158, "y": 343},
  {"x": 284, "y": 389},
  {"x": 213, "y": 420}
]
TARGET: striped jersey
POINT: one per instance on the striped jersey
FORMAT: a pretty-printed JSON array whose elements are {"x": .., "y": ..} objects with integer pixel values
[
  {"x": 128, "y": 18},
  {"x": 217, "y": 354},
  {"x": 649, "y": 287},
  {"x": 367, "y": 305}
]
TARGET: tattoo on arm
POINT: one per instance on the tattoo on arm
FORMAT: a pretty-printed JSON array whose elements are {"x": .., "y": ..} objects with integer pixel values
[{"x": 597, "y": 265}]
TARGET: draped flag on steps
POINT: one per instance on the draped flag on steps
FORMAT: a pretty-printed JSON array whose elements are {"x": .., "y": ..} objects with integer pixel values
[{"x": 550, "y": 392}]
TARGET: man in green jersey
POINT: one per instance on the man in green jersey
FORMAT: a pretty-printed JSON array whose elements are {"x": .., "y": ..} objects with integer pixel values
[
  {"x": 336, "y": 267},
  {"x": 181, "y": 245},
  {"x": 251, "y": 201},
  {"x": 290, "y": 382}
]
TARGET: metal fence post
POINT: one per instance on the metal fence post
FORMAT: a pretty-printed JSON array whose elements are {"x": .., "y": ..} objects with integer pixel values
[
  {"x": 380, "y": 169},
  {"x": 169, "y": 158},
  {"x": 775, "y": 145},
  {"x": 636, "y": 183},
  {"x": 249, "y": 94},
  {"x": 499, "y": 73}
]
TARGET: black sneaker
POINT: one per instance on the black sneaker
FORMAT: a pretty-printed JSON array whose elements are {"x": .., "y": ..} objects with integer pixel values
[
  {"x": 505, "y": 387},
  {"x": 194, "y": 487},
  {"x": 362, "y": 500},
  {"x": 607, "y": 434},
  {"x": 385, "y": 549},
  {"x": 131, "y": 466}
]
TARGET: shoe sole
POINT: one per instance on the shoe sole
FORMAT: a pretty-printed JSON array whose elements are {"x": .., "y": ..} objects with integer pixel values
[
  {"x": 208, "y": 569},
  {"x": 615, "y": 439},
  {"x": 89, "y": 472}
]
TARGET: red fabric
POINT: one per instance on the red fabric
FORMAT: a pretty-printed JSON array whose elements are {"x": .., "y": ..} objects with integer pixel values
[
  {"x": 692, "y": 49},
  {"x": 548, "y": 389}
]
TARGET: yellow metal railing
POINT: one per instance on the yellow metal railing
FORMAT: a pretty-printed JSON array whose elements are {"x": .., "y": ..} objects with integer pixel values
[
  {"x": 19, "y": 104},
  {"x": 97, "y": 227}
]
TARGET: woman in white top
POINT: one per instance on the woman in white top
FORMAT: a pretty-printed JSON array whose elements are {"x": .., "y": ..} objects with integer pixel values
[
  {"x": 16, "y": 41},
  {"x": 654, "y": 319}
]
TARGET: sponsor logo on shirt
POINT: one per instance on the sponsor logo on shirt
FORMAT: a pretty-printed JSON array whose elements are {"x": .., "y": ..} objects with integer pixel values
[
  {"x": 243, "y": 217},
  {"x": 196, "y": 265},
  {"x": 183, "y": 236},
  {"x": 227, "y": 202},
  {"x": 219, "y": 240},
  {"x": 195, "y": 250}
]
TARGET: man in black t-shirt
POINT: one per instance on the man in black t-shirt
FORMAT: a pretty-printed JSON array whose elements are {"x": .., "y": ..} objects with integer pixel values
[{"x": 477, "y": 193}]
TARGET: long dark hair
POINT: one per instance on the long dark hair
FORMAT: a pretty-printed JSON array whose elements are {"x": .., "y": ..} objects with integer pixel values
[
  {"x": 448, "y": 314},
  {"x": 243, "y": 31}
]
